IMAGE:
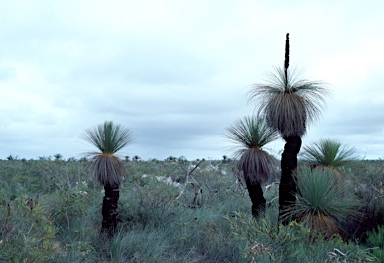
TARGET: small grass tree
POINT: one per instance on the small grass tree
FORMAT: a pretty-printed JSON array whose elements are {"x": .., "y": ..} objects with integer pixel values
[
  {"x": 329, "y": 154},
  {"x": 108, "y": 138},
  {"x": 289, "y": 105},
  {"x": 58, "y": 157},
  {"x": 323, "y": 205},
  {"x": 249, "y": 135}
]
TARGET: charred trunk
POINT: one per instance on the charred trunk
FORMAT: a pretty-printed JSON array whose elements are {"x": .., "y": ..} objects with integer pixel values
[
  {"x": 255, "y": 192},
  {"x": 110, "y": 210},
  {"x": 288, "y": 188}
]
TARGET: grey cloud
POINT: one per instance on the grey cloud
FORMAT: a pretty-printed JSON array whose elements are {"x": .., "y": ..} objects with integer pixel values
[{"x": 174, "y": 80}]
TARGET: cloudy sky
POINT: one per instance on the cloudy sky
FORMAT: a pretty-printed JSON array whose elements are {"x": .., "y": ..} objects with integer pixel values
[{"x": 177, "y": 73}]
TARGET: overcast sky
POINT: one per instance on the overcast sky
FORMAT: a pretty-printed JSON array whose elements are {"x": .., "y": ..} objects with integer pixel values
[{"x": 177, "y": 73}]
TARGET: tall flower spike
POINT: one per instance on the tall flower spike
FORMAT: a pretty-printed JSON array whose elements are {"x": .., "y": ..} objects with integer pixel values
[{"x": 286, "y": 62}]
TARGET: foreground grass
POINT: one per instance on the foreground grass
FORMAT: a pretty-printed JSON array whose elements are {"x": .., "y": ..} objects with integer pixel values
[{"x": 156, "y": 226}]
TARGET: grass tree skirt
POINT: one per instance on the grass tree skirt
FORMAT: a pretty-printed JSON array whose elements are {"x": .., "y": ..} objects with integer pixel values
[
  {"x": 110, "y": 210},
  {"x": 288, "y": 188}
]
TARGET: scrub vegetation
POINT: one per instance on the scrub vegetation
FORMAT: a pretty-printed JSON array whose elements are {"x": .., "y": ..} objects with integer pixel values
[{"x": 50, "y": 211}]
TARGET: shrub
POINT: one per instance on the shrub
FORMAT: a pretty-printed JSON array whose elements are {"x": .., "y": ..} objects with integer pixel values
[
  {"x": 26, "y": 235},
  {"x": 376, "y": 240}
]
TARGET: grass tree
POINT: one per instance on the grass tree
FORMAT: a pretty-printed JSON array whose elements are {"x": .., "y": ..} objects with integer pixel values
[
  {"x": 58, "y": 157},
  {"x": 289, "y": 104},
  {"x": 329, "y": 154},
  {"x": 108, "y": 139},
  {"x": 323, "y": 205},
  {"x": 250, "y": 135}
]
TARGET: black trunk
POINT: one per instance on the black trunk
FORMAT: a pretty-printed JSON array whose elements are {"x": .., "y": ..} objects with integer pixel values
[
  {"x": 257, "y": 197},
  {"x": 110, "y": 211},
  {"x": 288, "y": 189}
]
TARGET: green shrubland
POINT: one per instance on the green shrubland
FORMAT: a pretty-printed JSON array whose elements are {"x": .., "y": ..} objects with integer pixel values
[{"x": 163, "y": 218}]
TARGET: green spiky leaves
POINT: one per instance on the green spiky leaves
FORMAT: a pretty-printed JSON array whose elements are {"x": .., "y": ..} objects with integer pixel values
[
  {"x": 108, "y": 138},
  {"x": 321, "y": 203},
  {"x": 249, "y": 135},
  {"x": 289, "y": 103},
  {"x": 329, "y": 153}
]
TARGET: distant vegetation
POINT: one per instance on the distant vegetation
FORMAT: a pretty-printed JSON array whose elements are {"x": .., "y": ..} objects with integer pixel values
[{"x": 156, "y": 226}]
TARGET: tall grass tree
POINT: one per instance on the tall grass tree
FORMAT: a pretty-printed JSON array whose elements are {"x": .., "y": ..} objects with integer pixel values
[
  {"x": 108, "y": 139},
  {"x": 329, "y": 154},
  {"x": 289, "y": 104},
  {"x": 250, "y": 135}
]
